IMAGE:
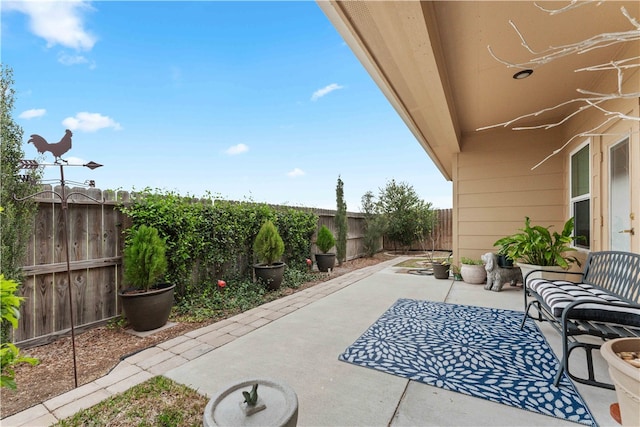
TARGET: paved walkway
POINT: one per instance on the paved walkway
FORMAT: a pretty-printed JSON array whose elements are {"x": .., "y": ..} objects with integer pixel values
[{"x": 297, "y": 339}]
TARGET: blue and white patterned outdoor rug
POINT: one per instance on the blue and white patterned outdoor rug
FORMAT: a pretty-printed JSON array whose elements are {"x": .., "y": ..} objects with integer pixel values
[{"x": 476, "y": 351}]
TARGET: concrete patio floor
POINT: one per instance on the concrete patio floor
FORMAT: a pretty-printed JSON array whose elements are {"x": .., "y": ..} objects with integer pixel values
[{"x": 297, "y": 339}]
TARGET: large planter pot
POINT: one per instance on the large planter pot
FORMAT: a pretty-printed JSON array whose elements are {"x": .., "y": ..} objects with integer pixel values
[
  {"x": 226, "y": 408},
  {"x": 270, "y": 275},
  {"x": 147, "y": 310},
  {"x": 474, "y": 274},
  {"x": 551, "y": 274},
  {"x": 325, "y": 261},
  {"x": 625, "y": 376},
  {"x": 440, "y": 271}
]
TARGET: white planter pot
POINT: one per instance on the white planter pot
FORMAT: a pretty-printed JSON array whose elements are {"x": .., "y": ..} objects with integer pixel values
[
  {"x": 550, "y": 275},
  {"x": 227, "y": 409},
  {"x": 626, "y": 378},
  {"x": 474, "y": 274}
]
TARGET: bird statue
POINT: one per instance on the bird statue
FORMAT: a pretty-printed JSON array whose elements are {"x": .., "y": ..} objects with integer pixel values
[{"x": 56, "y": 148}]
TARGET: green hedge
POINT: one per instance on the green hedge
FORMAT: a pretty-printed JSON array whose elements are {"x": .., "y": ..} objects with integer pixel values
[{"x": 208, "y": 239}]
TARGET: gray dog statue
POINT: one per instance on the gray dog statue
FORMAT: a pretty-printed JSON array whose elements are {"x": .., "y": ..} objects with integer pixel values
[{"x": 498, "y": 276}]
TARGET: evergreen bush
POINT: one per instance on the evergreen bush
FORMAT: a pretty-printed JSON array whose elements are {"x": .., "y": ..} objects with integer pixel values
[
  {"x": 268, "y": 245},
  {"x": 325, "y": 240},
  {"x": 145, "y": 261}
]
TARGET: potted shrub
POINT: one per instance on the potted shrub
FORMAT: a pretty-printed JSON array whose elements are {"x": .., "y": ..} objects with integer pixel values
[
  {"x": 535, "y": 247},
  {"x": 472, "y": 271},
  {"x": 269, "y": 247},
  {"x": 441, "y": 270},
  {"x": 147, "y": 302},
  {"x": 325, "y": 241}
]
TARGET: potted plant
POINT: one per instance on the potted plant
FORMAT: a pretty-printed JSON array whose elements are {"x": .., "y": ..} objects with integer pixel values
[
  {"x": 147, "y": 302},
  {"x": 325, "y": 241},
  {"x": 441, "y": 269},
  {"x": 456, "y": 273},
  {"x": 472, "y": 271},
  {"x": 269, "y": 247},
  {"x": 535, "y": 247}
]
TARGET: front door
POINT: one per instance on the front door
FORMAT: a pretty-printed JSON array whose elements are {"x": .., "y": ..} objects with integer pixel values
[{"x": 620, "y": 230}]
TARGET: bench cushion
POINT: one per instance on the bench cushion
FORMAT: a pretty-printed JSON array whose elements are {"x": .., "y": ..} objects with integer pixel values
[{"x": 557, "y": 294}]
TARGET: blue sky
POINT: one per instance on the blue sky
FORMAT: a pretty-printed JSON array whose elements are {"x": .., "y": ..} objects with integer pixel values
[{"x": 244, "y": 100}]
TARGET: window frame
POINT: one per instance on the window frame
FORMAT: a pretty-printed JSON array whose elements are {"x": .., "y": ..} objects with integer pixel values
[{"x": 583, "y": 197}]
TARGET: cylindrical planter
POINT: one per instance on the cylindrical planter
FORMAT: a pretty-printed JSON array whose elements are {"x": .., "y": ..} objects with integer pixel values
[
  {"x": 441, "y": 271},
  {"x": 504, "y": 261},
  {"x": 625, "y": 376},
  {"x": 147, "y": 310},
  {"x": 550, "y": 274},
  {"x": 325, "y": 261},
  {"x": 474, "y": 274},
  {"x": 226, "y": 408},
  {"x": 270, "y": 275}
]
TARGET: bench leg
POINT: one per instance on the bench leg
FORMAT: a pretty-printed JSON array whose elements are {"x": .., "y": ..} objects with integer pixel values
[
  {"x": 567, "y": 348},
  {"x": 527, "y": 315}
]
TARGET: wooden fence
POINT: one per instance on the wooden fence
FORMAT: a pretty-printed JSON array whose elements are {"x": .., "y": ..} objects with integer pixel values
[
  {"x": 441, "y": 237},
  {"x": 95, "y": 259},
  {"x": 96, "y": 241}
]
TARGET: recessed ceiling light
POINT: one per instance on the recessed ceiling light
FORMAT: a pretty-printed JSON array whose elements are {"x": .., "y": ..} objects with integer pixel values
[{"x": 523, "y": 74}]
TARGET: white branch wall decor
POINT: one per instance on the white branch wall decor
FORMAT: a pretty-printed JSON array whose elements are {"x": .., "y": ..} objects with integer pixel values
[{"x": 590, "y": 100}]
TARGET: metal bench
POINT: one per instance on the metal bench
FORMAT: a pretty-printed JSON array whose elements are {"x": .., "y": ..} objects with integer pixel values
[{"x": 604, "y": 303}]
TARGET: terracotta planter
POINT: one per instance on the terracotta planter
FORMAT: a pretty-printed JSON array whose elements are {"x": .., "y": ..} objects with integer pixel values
[
  {"x": 474, "y": 274},
  {"x": 148, "y": 310},
  {"x": 270, "y": 275},
  {"x": 325, "y": 261},
  {"x": 626, "y": 378},
  {"x": 226, "y": 408}
]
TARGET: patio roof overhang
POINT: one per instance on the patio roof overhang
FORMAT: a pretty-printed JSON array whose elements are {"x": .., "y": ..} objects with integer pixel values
[{"x": 431, "y": 60}]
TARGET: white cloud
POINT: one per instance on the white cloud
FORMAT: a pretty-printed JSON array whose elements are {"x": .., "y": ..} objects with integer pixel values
[
  {"x": 33, "y": 113},
  {"x": 325, "y": 90},
  {"x": 58, "y": 22},
  {"x": 237, "y": 149},
  {"x": 295, "y": 172},
  {"x": 90, "y": 122},
  {"x": 66, "y": 59}
]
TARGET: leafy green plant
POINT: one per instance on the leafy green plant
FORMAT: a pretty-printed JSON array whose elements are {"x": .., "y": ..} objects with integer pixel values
[
  {"x": 405, "y": 217},
  {"x": 9, "y": 353},
  {"x": 268, "y": 245},
  {"x": 469, "y": 261},
  {"x": 538, "y": 246},
  {"x": 145, "y": 261},
  {"x": 209, "y": 238},
  {"x": 325, "y": 240},
  {"x": 18, "y": 215}
]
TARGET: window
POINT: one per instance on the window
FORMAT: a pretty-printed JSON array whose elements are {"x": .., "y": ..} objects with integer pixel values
[{"x": 581, "y": 196}]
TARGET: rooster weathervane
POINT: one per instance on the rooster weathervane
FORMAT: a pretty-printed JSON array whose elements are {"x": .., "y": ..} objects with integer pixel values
[{"x": 55, "y": 148}]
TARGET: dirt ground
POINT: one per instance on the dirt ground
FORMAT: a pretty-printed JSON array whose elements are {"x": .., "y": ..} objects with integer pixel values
[{"x": 100, "y": 350}]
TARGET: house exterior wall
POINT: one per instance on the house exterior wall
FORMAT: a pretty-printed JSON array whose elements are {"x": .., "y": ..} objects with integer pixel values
[{"x": 495, "y": 188}]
